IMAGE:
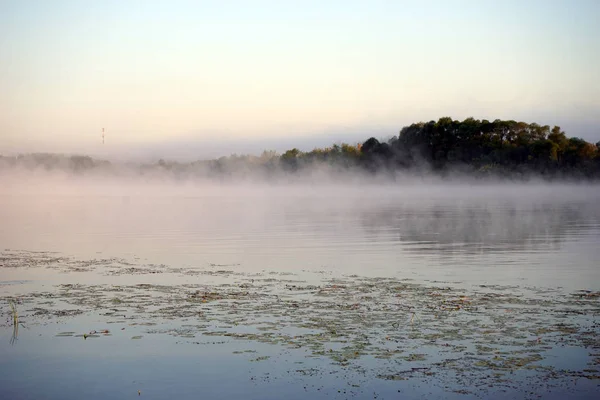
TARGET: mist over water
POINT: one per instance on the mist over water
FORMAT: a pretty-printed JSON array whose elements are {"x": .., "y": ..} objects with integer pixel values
[
  {"x": 470, "y": 231},
  {"x": 199, "y": 266}
]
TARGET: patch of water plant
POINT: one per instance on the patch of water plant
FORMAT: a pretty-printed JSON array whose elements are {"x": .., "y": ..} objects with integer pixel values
[{"x": 385, "y": 328}]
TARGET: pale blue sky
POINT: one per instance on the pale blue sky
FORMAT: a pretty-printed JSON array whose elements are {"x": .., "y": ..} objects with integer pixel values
[{"x": 155, "y": 71}]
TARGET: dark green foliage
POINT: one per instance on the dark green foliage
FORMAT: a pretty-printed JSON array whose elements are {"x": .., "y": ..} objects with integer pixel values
[{"x": 483, "y": 146}]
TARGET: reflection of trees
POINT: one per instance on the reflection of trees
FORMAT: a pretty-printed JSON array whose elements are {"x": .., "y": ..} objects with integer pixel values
[
  {"x": 444, "y": 225},
  {"x": 474, "y": 227}
]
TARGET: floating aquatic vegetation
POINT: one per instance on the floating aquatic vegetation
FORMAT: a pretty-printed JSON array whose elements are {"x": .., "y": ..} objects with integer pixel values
[
  {"x": 65, "y": 334},
  {"x": 416, "y": 357},
  {"x": 394, "y": 329},
  {"x": 262, "y": 358}
]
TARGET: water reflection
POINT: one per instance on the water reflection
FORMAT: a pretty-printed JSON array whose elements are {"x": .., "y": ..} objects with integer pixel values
[
  {"x": 478, "y": 227},
  {"x": 348, "y": 230}
]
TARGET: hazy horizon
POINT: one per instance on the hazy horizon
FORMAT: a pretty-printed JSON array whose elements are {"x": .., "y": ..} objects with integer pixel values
[
  {"x": 191, "y": 148},
  {"x": 185, "y": 149},
  {"x": 175, "y": 79}
]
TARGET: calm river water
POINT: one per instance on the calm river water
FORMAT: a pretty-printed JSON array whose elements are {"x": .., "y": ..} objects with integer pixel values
[{"x": 101, "y": 236}]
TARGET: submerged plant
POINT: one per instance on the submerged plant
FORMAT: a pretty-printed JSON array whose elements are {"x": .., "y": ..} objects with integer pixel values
[
  {"x": 412, "y": 317},
  {"x": 15, "y": 317}
]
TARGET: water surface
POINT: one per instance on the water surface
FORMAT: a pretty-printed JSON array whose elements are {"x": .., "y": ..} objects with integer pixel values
[{"x": 178, "y": 260}]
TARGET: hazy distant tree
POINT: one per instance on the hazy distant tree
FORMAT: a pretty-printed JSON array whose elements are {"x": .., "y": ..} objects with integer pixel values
[
  {"x": 370, "y": 145},
  {"x": 289, "y": 159},
  {"x": 81, "y": 163}
]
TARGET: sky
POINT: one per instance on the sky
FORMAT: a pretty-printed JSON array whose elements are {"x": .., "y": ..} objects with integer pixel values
[{"x": 205, "y": 74}]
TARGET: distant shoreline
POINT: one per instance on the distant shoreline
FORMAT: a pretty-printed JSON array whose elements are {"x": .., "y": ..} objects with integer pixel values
[{"x": 445, "y": 148}]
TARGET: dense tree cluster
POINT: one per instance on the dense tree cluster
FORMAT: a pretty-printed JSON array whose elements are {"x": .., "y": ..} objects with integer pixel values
[
  {"x": 484, "y": 146},
  {"x": 478, "y": 147}
]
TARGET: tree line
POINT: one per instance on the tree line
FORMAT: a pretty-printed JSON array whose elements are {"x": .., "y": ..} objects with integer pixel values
[
  {"x": 484, "y": 146},
  {"x": 472, "y": 146}
]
